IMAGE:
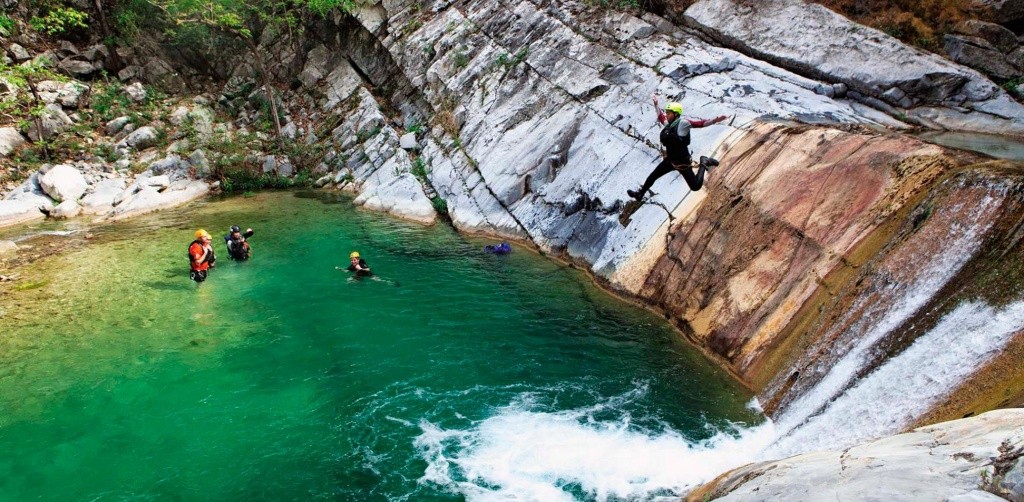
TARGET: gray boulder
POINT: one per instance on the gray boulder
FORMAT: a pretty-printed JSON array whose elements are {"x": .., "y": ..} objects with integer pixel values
[
  {"x": 141, "y": 138},
  {"x": 162, "y": 75},
  {"x": 979, "y": 54},
  {"x": 166, "y": 165},
  {"x": 66, "y": 209},
  {"x": 63, "y": 183},
  {"x": 199, "y": 163},
  {"x": 114, "y": 126},
  {"x": 1003, "y": 11},
  {"x": 129, "y": 73},
  {"x": 136, "y": 92},
  {"x": 20, "y": 54},
  {"x": 999, "y": 36},
  {"x": 78, "y": 68},
  {"x": 102, "y": 197},
  {"x": 408, "y": 141},
  {"x": 285, "y": 168},
  {"x": 10, "y": 140},
  {"x": 52, "y": 122}
]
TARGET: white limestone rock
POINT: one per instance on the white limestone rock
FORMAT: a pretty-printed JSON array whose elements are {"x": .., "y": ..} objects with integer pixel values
[
  {"x": 398, "y": 194},
  {"x": 10, "y": 140},
  {"x": 830, "y": 46},
  {"x": 148, "y": 198},
  {"x": 63, "y": 183},
  {"x": 943, "y": 462},
  {"x": 101, "y": 200},
  {"x": 66, "y": 209}
]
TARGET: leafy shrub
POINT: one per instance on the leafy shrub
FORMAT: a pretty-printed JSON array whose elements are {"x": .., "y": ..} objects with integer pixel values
[
  {"x": 60, "y": 21},
  {"x": 6, "y": 25}
]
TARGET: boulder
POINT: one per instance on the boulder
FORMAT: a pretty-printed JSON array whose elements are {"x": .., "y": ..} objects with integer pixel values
[
  {"x": 285, "y": 168},
  {"x": 979, "y": 54},
  {"x": 408, "y": 141},
  {"x": 63, "y": 182},
  {"x": 14, "y": 212},
  {"x": 129, "y": 73},
  {"x": 999, "y": 36},
  {"x": 199, "y": 163},
  {"x": 52, "y": 122},
  {"x": 78, "y": 68},
  {"x": 159, "y": 182},
  {"x": 114, "y": 126},
  {"x": 10, "y": 140},
  {"x": 141, "y": 138},
  {"x": 157, "y": 72},
  {"x": 150, "y": 199},
  {"x": 136, "y": 92},
  {"x": 101, "y": 200},
  {"x": 69, "y": 94},
  {"x": 96, "y": 54},
  {"x": 168, "y": 164},
  {"x": 1016, "y": 58},
  {"x": 19, "y": 53},
  {"x": 66, "y": 209},
  {"x": 269, "y": 164},
  {"x": 1002, "y": 11}
]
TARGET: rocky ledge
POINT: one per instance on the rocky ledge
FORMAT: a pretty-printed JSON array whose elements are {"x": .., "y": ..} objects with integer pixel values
[{"x": 971, "y": 460}]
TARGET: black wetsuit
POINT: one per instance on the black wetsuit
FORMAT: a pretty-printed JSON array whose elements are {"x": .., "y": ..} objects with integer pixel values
[
  {"x": 238, "y": 250},
  {"x": 359, "y": 272},
  {"x": 676, "y": 138}
]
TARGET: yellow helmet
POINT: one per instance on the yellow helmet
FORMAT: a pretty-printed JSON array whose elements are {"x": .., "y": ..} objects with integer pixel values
[
  {"x": 202, "y": 233},
  {"x": 355, "y": 254},
  {"x": 674, "y": 106}
]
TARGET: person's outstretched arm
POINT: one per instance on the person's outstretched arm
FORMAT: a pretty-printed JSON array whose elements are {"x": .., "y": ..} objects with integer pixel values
[{"x": 706, "y": 122}]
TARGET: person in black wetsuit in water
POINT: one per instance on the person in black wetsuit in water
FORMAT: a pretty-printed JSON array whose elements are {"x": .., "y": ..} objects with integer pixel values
[
  {"x": 358, "y": 265},
  {"x": 676, "y": 138},
  {"x": 238, "y": 247}
]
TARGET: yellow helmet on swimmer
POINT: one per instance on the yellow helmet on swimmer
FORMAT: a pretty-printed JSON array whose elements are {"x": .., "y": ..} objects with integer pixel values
[
  {"x": 202, "y": 233},
  {"x": 354, "y": 254},
  {"x": 674, "y": 106}
]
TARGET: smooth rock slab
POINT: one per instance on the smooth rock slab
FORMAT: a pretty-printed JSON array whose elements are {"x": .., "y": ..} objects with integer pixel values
[
  {"x": 939, "y": 462},
  {"x": 101, "y": 200}
]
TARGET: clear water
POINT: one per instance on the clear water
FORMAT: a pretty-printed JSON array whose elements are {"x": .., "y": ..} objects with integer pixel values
[{"x": 459, "y": 375}]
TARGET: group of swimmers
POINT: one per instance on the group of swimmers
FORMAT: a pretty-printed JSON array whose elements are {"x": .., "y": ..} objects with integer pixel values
[{"x": 202, "y": 257}]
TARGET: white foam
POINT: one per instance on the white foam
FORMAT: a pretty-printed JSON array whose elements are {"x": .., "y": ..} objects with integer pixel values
[{"x": 525, "y": 454}]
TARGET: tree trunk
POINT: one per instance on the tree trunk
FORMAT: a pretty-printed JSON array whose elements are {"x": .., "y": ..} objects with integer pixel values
[{"x": 267, "y": 88}]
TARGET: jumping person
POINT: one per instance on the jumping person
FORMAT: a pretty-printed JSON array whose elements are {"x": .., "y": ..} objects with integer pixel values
[
  {"x": 238, "y": 247},
  {"x": 201, "y": 256},
  {"x": 676, "y": 138}
]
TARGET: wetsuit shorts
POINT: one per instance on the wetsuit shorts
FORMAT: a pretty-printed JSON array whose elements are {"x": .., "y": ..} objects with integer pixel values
[{"x": 197, "y": 275}]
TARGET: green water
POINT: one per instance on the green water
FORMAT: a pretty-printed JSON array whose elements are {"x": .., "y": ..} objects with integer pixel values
[{"x": 282, "y": 379}]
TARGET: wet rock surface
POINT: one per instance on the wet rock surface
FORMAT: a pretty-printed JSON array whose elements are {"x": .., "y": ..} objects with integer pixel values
[{"x": 970, "y": 459}]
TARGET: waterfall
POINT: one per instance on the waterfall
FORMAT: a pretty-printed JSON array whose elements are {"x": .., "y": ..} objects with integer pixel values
[
  {"x": 906, "y": 386},
  {"x": 852, "y": 402}
]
